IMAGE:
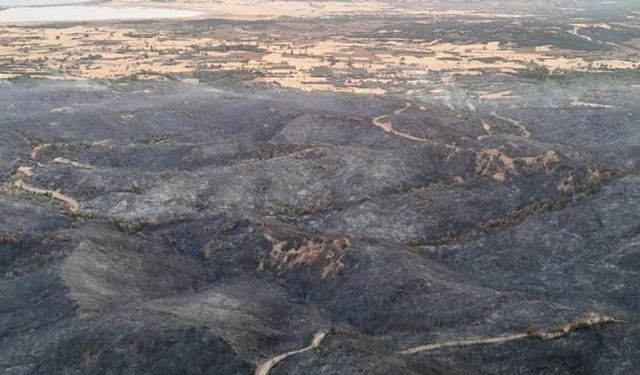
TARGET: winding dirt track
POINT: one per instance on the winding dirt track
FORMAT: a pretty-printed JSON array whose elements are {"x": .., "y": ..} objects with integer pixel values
[
  {"x": 385, "y": 124},
  {"x": 478, "y": 341},
  {"x": 590, "y": 319},
  {"x": 587, "y": 320},
  {"x": 575, "y": 32},
  {"x": 515, "y": 123},
  {"x": 72, "y": 163},
  {"x": 27, "y": 171},
  {"x": 266, "y": 366},
  {"x": 71, "y": 203}
]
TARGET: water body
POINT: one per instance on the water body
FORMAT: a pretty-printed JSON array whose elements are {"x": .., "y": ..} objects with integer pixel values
[
  {"x": 86, "y": 13},
  {"x": 27, "y": 3}
]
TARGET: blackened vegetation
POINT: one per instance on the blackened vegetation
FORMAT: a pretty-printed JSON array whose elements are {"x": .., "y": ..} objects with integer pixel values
[{"x": 218, "y": 229}]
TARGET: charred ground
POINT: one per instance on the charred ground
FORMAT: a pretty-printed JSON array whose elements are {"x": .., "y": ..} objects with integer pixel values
[{"x": 154, "y": 228}]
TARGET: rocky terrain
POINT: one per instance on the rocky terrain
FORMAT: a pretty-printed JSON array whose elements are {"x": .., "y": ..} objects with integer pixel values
[{"x": 154, "y": 228}]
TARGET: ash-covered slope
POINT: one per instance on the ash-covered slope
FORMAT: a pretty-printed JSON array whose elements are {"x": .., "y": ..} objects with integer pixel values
[{"x": 164, "y": 229}]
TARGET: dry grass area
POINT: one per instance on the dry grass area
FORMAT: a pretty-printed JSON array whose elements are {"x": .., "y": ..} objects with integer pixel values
[
  {"x": 349, "y": 56},
  {"x": 497, "y": 165},
  {"x": 325, "y": 255}
]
